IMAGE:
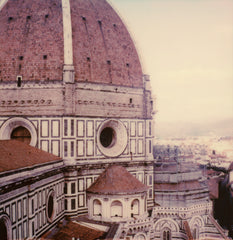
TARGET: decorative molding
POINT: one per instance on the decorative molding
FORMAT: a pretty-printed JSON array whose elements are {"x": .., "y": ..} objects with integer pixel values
[
  {"x": 26, "y": 102},
  {"x": 107, "y": 104}
]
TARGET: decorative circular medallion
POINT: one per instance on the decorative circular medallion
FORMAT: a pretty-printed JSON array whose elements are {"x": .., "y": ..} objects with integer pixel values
[{"x": 112, "y": 138}]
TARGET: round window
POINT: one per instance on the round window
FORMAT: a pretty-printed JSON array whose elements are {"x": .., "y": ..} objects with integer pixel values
[
  {"x": 112, "y": 138},
  {"x": 107, "y": 137}
]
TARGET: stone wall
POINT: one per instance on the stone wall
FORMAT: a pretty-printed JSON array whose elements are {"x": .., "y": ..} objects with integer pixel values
[
  {"x": 25, "y": 203},
  {"x": 83, "y": 99}
]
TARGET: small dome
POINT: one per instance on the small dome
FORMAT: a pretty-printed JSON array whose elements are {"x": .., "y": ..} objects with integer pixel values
[{"x": 117, "y": 180}]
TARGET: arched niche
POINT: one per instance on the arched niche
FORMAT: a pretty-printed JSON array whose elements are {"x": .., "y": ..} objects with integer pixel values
[
  {"x": 140, "y": 236},
  {"x": 116, "y": 209},
  {"x": 135, "y": 207},
  {"x": 97, "y": 208}
]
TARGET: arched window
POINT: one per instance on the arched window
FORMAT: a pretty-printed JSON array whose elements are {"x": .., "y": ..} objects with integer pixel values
[
  {"x": 166, "y": 234},
  {"x": 97, "y": 211},
  {"x": 135, "y": 207},
  {"x": 116, "y": 209},
  {"x": 140, "y": 237},
  {"x": 5, "y": 228},
  {"x": 21, "y": 134}
]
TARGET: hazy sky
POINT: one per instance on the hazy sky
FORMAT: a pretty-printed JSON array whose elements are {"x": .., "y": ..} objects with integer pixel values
[{"x": 186, "y": 46}]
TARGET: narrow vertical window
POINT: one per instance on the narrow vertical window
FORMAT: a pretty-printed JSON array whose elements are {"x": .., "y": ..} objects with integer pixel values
[
  {"x": 65, "y": 188},
  {"x": 73, "y": 204},
  {"x": 65, "y": 127},
  {"x": 65, "y": 204},
  {"x": 65, "y": 149},
  {"x": 72, "y": 128},
  {"x": 150, "y": 128},
  {"x": 32, "y": 206},
  {"x": 19, "y": 209},
  {"x": 72, "y": 149},
  {"x": 33, "y": 229},
  {"x": 19, "y": 81},
  {"x": 150, "y": 146},
  {"x": 72, "y": 188}
]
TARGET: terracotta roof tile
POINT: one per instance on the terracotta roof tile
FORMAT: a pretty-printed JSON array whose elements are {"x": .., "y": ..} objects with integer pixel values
[
  {"x": 15, "y": 154},
  {"x": 73, "y": 230},
  {"x": 116, "y": 180}
]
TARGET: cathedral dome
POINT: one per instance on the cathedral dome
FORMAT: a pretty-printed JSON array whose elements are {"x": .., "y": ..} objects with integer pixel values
[{"x": 35, "y": 43}]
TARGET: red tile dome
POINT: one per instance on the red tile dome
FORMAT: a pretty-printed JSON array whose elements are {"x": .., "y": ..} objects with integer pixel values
[
  {"x": 32, "y": 43},
  {"x": 117, "y": 180}
]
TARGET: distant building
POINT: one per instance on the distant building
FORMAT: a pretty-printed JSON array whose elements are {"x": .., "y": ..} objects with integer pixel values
[{"x": 182, "y": 202}]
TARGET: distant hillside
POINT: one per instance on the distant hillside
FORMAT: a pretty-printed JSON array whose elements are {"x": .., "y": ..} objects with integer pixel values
[{"x": 184, "y": 129}]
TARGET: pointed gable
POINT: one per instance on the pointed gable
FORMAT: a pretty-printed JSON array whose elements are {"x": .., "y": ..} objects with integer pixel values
[{"x": 117, "y": 180}]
